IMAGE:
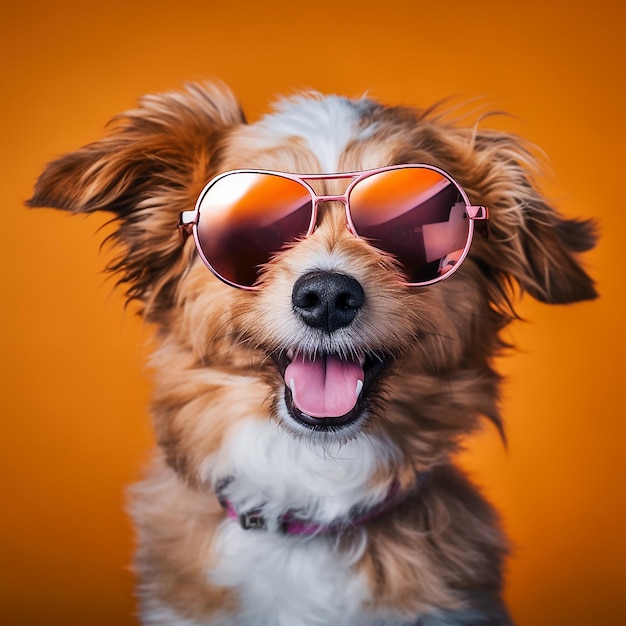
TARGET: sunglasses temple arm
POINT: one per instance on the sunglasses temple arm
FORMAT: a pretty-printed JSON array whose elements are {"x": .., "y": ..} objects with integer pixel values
[
  {"x": 480, "y": 214},
  {"x": 186, "y": 222}
]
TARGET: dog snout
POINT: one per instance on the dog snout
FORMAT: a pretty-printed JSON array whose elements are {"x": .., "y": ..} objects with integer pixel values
[{"x": 327, "y": 300}]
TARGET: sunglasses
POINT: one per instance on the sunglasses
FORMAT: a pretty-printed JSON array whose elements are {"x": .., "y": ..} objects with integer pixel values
[{"x": 417, "y": 213}]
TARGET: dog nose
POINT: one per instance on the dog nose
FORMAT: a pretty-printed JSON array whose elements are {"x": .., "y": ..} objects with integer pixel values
[{"x": 327, "y": 300}]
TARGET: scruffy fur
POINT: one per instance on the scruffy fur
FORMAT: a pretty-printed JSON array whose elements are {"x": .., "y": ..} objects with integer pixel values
[{"x": 436, "y": 557}]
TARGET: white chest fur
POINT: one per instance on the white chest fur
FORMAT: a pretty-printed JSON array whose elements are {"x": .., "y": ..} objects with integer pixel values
[
  {"x": 294, "y": 580},
  {"x": 289, "y": 581},
  {"x": 273, "y": 470},
  {"x": 280, "y": 579}
]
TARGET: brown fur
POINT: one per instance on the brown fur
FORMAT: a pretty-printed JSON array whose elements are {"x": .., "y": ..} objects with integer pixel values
[{"x": 152, "y": 165}]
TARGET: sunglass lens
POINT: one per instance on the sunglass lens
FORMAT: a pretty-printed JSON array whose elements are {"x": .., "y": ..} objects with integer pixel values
[
  {"x": 417, "y": 215},
  {"x": 247, "y": 217}
]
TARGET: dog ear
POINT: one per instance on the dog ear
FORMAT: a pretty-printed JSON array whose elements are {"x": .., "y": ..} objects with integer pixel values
[
  {"x": 149, "y": 167},
  {"x": 528, "y": 240}
]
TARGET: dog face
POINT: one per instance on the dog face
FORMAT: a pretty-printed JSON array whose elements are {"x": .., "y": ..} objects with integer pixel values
[{"x": 413, "y": 363}]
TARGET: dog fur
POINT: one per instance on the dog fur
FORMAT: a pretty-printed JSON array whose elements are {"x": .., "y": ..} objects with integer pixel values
[{"x": 435, "y": 558}]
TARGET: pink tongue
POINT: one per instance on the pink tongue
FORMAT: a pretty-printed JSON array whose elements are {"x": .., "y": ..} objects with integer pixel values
[{"x": 325, "y": 387}]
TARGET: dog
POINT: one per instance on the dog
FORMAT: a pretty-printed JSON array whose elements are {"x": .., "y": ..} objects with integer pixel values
[{"x": 328, "y": 288}]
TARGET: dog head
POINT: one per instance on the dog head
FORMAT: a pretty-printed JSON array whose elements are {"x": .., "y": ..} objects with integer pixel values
[{"x": 330, "y": 312}]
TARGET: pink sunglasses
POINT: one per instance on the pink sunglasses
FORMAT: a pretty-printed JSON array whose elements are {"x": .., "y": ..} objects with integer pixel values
[{"x": 417, "y": 213}]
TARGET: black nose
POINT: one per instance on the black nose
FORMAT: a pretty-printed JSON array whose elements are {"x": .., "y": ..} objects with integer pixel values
[{"x": 327, "y": 300}]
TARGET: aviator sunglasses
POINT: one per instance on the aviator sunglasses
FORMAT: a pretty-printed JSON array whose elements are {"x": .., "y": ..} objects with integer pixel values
[{"x": 417, "y": 213}]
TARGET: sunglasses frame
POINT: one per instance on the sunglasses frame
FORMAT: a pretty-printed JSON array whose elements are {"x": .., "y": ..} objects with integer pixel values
[{"x": 188, "y": 220}]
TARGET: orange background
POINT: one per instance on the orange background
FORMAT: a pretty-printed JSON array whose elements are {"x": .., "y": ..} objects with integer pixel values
[{"x": 74, "y": 429}]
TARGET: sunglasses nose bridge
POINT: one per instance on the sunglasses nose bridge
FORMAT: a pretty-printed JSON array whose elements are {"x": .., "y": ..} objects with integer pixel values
[
  {"x": 329, "y": 209},
  {"x": 331, "y": 198}
]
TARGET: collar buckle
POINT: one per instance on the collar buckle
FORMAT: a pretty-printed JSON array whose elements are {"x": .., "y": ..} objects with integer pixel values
[{"x": 252, "y": 520}]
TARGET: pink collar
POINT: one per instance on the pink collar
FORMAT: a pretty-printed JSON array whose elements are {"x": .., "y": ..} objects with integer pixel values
[{"x": 290, "y": 524}]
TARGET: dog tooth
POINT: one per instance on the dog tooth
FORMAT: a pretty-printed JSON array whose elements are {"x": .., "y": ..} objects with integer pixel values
[
  {"x": 292, "y": 386},
  {"x": 359, "y": 387},
  {"x": 290, "y": 354}
]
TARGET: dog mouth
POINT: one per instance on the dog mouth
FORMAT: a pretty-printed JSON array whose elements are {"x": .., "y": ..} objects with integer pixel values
[{"x": 327, "y": 391}]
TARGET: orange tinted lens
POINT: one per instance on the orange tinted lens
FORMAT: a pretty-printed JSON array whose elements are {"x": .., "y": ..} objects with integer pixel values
[
  {"x": 246, "y": 218},
  {"x": 416, "y": 214}
]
